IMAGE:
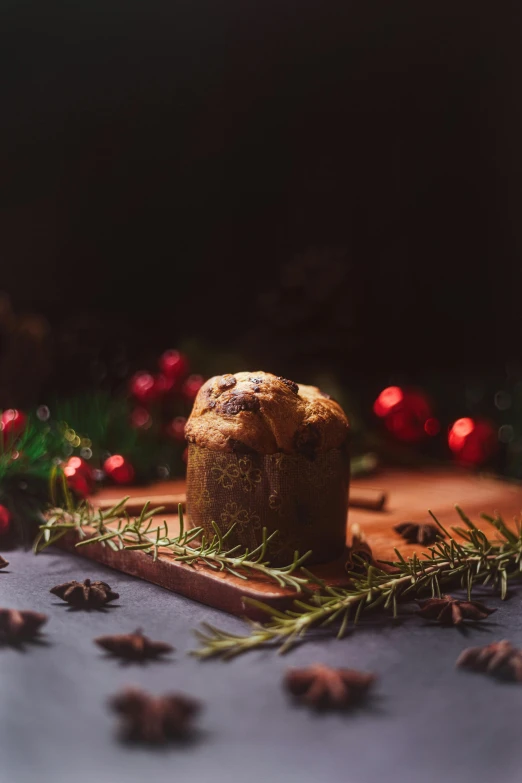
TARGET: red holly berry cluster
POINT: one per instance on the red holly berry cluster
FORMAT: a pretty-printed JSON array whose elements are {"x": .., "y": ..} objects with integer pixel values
[
  {"x": 161, "y": 403},
  {"x": 408, "y": 415},
  {"x": 5, "y": 520},
  {"x": 173, "y": 378},
  {"x": 12, "y": 425},
  {"x": 172, "y": 383},
  {"x": 80, "y": 476},
  {"x": 156, "y": 397}
]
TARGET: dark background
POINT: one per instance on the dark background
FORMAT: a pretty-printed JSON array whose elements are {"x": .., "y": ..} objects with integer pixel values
[{"x": 314, "y": 185}]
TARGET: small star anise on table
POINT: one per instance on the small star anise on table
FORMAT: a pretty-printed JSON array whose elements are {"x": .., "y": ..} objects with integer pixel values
[
  {"x": 154, "y": 719},
  {"x": 414, "y": 533},
  {"x": 133, "y": 646},
  {"x": 3, "y": 563},
  {"x": 85, "y": 595},
  {"x": 323, "y": 687},
  {"x": 451, "y": 611},
  {"x": 18, "y": 626},
  {"x": 499, "y": 659}
]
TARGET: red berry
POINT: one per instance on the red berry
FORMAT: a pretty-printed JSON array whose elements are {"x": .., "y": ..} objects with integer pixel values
[
  {"x": 174, "y": 364},
  {"x": 191, "y": 386},
  {"x": 143, "y": 387},
  {"x": 78, "y": 484},
  {"x": 12, "y": 423},
  {"x": 141, "y": 419},
  {"x": 119, "y": 469},
  {"x": 458, "y": 433},
  {"x": 387, "y": 400},
  {"x": 5, "y": 520},
  {"x": 78, "y": 475},
  {"x": 163, "y": 384},
  {"x": 176, "y": 429},
  {"x": 78, "y": 465}
]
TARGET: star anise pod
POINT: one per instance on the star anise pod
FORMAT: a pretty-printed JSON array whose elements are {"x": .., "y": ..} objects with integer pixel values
[
  {"x": 451, "y": 611},
  {"x": 3, "y": 563},
  {"x": 17, "y": 626},
  {"x": 322, "y": 687},
  {"x": 499, "y": 659},
  {"x": 414, "y": 533},
  {"x": 85, "y": 595},
  {"x": 154, "y": 719},
  {"x": 133, "y": 646}
]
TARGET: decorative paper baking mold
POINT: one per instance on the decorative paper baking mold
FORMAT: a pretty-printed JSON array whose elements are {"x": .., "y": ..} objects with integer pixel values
[{"x": 305, "y": 500}]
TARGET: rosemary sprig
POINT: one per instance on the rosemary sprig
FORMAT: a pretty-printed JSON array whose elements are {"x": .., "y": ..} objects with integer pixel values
[
  {"x": 115, "y": 528},
  {"x": 466, "y": 559}
]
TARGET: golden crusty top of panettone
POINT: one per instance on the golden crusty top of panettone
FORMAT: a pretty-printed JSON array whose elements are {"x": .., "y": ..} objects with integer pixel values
[{"x": 258, "y": 411}]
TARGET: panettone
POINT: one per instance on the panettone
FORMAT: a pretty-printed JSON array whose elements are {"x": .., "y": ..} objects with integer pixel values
[{"x": 267, "y": 452}]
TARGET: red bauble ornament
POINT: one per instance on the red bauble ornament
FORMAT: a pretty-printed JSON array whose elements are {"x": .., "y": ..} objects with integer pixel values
[
  {"x": 12, "y": 424},
  {"x": 174, "y": 365},
  {"x": 119, "y": 469},
  {"x": 406, "y": 413},
  {"x": 78, "y": 475},
  {"x": 472, "y": 442},
  {"x": 5, "y": 520},
  {"x": 142, "y": 386},
  {"x": 176, "y": 429},
  {"x": 191, "y": 387}
]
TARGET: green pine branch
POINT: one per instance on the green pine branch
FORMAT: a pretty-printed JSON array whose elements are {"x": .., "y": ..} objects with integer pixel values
[{"x": 31, "y": 453}]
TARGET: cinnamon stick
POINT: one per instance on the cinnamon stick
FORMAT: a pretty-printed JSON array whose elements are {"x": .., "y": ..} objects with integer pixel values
[{"x": 365, "y": 498}]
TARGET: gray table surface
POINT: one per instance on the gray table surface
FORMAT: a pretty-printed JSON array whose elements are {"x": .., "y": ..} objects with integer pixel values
[{"x": 427, "y": 721}]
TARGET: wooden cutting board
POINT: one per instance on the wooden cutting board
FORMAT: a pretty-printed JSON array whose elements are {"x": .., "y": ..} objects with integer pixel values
[{"x": 409, "y": 495}]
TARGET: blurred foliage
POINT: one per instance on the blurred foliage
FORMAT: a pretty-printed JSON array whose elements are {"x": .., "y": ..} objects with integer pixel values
[{"x": 79, "y": 366}]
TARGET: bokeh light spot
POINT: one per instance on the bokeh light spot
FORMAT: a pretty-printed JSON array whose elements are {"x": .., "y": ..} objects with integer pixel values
[{"x": 506, "y": 433}]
